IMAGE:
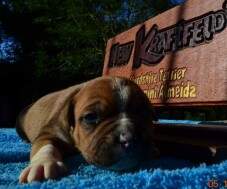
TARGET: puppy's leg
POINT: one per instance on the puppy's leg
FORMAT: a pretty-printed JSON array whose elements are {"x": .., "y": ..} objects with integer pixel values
[{"x": 45, "y": 161}]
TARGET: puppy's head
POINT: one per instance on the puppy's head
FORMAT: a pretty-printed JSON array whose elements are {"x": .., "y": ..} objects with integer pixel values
[{"x": 112, "y": 119}]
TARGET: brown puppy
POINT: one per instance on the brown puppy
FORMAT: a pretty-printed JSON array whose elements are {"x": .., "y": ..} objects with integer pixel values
[{"x": 105, "y": 119}]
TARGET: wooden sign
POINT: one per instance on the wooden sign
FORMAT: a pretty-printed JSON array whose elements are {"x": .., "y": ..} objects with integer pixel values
[{"x": 178, "y": 57}]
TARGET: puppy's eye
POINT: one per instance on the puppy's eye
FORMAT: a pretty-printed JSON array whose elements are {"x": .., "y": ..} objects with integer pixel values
[{"x": 91, "y": 118}]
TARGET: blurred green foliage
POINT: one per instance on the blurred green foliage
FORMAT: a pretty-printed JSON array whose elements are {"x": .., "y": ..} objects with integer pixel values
[{"x": 67, "y": 39}]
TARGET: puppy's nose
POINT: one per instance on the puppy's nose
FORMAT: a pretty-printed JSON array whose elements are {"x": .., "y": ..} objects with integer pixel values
[{"x": 125, "y": 139}]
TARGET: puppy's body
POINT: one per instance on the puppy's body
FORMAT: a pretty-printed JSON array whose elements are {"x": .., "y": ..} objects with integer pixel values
[{"x": 104, "y": 119}]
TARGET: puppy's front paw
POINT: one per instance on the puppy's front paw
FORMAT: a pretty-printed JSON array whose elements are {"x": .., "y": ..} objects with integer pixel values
[
  {"x": 38, "y": 171},
  {"x": 45, "y": 164}
]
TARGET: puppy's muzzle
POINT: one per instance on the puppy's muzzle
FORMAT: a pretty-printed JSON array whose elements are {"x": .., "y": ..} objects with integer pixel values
[{"x": 125, "y": 139}]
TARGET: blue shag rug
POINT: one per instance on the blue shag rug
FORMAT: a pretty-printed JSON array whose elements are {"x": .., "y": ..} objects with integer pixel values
[{"x": 162, "y": 173}]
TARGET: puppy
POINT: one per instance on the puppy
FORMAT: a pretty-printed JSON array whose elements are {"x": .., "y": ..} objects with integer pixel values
[{"x": 107, "y": 120}]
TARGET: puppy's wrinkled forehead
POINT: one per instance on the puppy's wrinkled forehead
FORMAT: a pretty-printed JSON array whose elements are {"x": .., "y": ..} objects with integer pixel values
[{"x": 112, "y": 91}]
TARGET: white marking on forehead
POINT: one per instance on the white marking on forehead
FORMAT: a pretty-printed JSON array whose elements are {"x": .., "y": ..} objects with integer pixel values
[{"x": 123, "y": 92}]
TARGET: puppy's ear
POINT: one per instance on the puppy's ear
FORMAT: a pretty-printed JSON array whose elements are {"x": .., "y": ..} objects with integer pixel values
[{"x": 51, "y": 113}]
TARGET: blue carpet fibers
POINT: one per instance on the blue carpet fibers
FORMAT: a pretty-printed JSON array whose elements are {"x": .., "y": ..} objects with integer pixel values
[{"x": 162, "y": 173}]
